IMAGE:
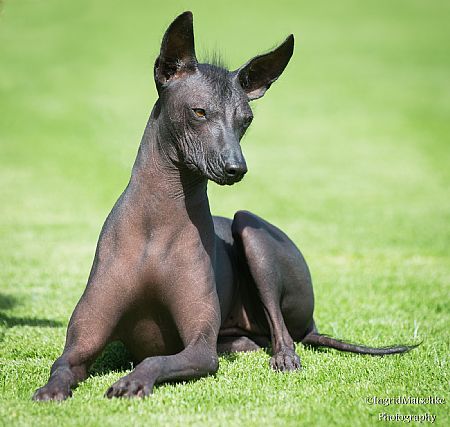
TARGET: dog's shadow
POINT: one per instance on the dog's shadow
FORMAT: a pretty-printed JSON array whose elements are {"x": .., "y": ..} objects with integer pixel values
[
  {"x": 114, "y": 358},
  {"x": 8, "y": 302}
]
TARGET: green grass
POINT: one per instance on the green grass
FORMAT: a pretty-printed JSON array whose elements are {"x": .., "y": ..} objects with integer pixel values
[{"x": 349, "y": 153}]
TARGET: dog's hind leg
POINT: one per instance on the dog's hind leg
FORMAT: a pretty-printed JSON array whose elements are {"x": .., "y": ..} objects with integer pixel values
[{"x": 282, "y": 281}]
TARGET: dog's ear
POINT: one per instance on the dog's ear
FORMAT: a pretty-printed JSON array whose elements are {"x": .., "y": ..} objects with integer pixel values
[
  {"x": 256, "y": 76},
  {"x": 177, "y": 55}
]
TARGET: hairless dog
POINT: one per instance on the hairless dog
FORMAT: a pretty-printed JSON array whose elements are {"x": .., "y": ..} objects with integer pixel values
[{"x": 173, "y": 283}]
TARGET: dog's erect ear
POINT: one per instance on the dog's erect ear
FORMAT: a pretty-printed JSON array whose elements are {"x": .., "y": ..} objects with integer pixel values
[
  {"x": 177, "y": 55},
  {"x": 256, "y": 76}
]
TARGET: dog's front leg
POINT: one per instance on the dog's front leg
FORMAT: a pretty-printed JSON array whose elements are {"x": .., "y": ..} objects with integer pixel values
[{"x": 196, "y": 360}]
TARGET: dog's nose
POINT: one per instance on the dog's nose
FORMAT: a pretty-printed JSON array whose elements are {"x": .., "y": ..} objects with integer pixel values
[{"x": 235, "y": 171}]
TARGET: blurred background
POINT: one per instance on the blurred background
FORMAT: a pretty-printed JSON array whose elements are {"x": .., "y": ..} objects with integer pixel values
[{"x": 348, "y": 153}]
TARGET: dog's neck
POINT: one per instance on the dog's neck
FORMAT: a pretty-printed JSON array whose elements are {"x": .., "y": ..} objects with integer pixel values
[{"x": 165, "y": 188}]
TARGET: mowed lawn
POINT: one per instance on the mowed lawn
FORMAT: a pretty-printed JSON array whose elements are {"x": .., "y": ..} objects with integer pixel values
[{"x": 348, "y": 153}]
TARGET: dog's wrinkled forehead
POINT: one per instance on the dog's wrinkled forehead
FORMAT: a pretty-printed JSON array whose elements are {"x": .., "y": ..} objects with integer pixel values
[
  {"x": 211, "y": 84},
  {"x": 219, "y": 80}
]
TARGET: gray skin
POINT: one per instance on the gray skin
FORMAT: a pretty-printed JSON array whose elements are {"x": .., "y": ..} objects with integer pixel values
[{"x": 173, "y": 283}]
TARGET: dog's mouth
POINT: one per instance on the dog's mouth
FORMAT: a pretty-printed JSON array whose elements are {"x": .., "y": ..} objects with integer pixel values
[{"x": 225, "y": 180}]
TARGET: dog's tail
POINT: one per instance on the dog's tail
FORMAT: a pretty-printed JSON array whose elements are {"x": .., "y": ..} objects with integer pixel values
[{"x": 315, "y": 339}]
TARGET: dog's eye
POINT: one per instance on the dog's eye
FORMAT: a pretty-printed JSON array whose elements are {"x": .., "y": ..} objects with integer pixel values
[{"x": 199, "y": 112}]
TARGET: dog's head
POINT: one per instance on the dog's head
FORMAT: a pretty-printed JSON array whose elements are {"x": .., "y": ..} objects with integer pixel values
[{"x": 205, "y": 108}]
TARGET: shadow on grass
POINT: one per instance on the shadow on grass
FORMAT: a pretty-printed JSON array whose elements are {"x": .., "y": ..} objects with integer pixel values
[
  {"x": 115, "y": 357},
  {"x": 11, "y": 321},
  {"x": 7, "y": 302}
]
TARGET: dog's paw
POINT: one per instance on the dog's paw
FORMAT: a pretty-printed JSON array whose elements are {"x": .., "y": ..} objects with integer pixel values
[
  {"x": 52, "y": 391},
  {"x": 285, "y": 360},
  {"x": 130, "y": 386}
]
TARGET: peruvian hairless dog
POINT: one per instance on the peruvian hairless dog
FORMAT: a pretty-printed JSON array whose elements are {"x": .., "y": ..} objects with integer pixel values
[{"x": 173, "y": 283}]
